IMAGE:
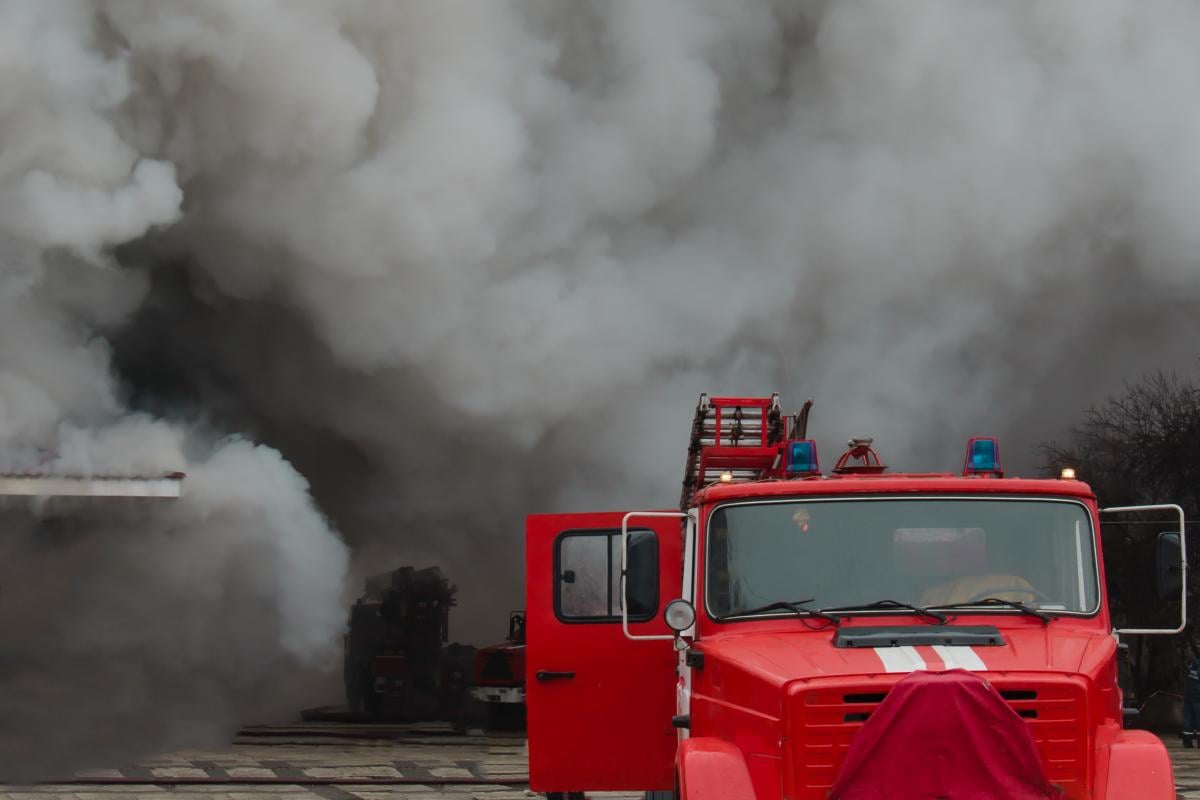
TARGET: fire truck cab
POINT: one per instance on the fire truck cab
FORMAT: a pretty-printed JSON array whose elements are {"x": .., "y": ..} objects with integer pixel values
[{"x": 859, "y": 634}]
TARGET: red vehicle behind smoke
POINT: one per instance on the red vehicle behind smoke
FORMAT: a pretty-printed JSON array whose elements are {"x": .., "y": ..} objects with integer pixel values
[
  {"x": 498, "y": 677},
  {"x": 860, "y": 634}
]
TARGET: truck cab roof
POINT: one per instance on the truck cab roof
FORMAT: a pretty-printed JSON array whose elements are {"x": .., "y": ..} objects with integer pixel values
[{"x": 891, "y": 484}]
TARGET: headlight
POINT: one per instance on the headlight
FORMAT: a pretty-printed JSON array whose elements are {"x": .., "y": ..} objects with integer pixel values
[{"x": 679, "y": 615}]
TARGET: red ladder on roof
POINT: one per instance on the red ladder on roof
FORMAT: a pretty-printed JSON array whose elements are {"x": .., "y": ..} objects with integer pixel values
[{"x": 742, "y": 436}]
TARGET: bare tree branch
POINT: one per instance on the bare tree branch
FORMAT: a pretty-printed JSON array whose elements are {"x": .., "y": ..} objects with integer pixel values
[{"x": 1137, "y": 448}]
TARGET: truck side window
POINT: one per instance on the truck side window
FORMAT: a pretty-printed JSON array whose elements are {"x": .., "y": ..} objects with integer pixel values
[{"x": 587, "y": 581}]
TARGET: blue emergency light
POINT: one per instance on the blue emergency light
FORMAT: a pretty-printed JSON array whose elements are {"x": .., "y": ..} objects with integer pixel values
[
  {"x": 802, "y": 457},
  {"x": 983, "y": 457}
]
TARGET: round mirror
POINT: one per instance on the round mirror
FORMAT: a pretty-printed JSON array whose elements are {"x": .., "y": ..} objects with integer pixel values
[{"x": 680, "y": 615}]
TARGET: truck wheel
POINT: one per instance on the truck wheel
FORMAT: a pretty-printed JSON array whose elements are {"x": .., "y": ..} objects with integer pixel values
[
  {"x": 660, "y": 795},
  {"x": 565, "y": 796}
]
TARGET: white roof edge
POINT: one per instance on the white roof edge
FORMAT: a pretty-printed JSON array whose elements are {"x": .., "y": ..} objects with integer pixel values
[{"x": 51, "y": 486}]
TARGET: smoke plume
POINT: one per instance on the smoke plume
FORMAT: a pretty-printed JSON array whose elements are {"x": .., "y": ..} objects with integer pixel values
[{"x": 434, "y": 265}]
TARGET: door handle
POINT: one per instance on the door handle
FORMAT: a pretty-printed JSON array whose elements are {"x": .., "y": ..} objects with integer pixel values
[{"x": 549, "y": 675}]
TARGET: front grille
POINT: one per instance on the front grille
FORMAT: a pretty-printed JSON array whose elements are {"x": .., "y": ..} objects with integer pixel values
[
  {"x": 826, "y": 719},
  {"x": 1057, "y": 717}
]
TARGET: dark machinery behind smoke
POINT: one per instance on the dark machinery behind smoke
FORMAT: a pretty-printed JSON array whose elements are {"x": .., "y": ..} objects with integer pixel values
[{"x": 397, "y": 661}]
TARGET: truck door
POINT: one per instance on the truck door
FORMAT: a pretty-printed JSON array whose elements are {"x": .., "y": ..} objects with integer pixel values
[{"x": 599, "y": 704}]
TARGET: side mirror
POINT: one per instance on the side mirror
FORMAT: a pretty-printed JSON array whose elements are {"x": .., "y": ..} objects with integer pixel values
[
  {"x": 679, "y": 615},
  {"x": 1170, "y": 566}
]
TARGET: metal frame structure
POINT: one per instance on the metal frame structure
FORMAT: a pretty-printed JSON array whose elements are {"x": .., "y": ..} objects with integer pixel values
[{"x": 36, "y": 485}]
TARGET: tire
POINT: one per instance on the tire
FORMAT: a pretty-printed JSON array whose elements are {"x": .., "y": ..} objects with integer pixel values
[
  {"x": 660, "y": 795},
  {"x": 564, "y": 796}
]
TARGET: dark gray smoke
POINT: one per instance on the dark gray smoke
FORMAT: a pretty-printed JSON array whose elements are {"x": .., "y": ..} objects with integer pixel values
[{"x": 460, "y": 261}]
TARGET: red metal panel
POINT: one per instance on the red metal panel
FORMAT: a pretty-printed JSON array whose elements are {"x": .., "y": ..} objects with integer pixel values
[
  {"x": 1140, "y": 768},
  {"x": 712, "y": 769},
  {"x": 608, "y": 726}
]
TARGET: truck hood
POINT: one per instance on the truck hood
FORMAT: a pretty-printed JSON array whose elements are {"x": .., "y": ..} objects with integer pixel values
[{"x": 778, "y": 656}]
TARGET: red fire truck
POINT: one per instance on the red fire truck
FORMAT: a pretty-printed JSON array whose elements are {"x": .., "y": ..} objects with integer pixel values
[
  {"x": 498, "y": 677},
  {"x": 857, "y": 634}
]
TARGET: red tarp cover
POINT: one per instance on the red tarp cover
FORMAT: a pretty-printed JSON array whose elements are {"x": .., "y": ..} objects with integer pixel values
[{"x": 943, "y": 736}]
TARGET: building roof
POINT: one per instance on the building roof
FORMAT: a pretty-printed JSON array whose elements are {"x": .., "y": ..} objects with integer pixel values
[{"x": 44, "y": 485}]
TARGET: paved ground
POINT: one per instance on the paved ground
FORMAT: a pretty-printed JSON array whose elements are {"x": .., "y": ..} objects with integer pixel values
[
  {"x": 334, "y": 762},
  {"x": 1187, "y": 768},
  {"x": 330, "y": 762}
]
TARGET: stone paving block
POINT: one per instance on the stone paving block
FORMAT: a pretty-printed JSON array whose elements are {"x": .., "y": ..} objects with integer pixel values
[
  {"x": 182, "y": 771},
  {"x": 491, "y": 791},
  {"x": 227, "y": 792},
  {"x": 249, "y": 772},
  {"x": 99, "y": 773},
  {"x": 376, "y": 771},
  {"x": 68, "y": 790},
  {"x": 272, "y": 790}
]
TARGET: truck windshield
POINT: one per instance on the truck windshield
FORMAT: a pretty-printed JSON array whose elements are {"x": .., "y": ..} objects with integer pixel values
[{"x": 925, "y": 552}]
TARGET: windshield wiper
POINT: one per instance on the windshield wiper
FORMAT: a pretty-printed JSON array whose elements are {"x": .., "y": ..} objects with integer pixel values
[
  {"x": 996, "y": 601},
  {"x": 918, "y": 610},
  {"x": 795, "y": 606}
]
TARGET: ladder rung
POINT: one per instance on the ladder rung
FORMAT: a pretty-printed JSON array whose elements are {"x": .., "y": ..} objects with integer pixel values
[{"x": 729, "y": 441}]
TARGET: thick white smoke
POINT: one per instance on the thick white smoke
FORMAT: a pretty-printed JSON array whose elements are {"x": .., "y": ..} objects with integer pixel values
[
  {"x": 460, "y": 261},
  {"x": 128, "y": 625}
]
